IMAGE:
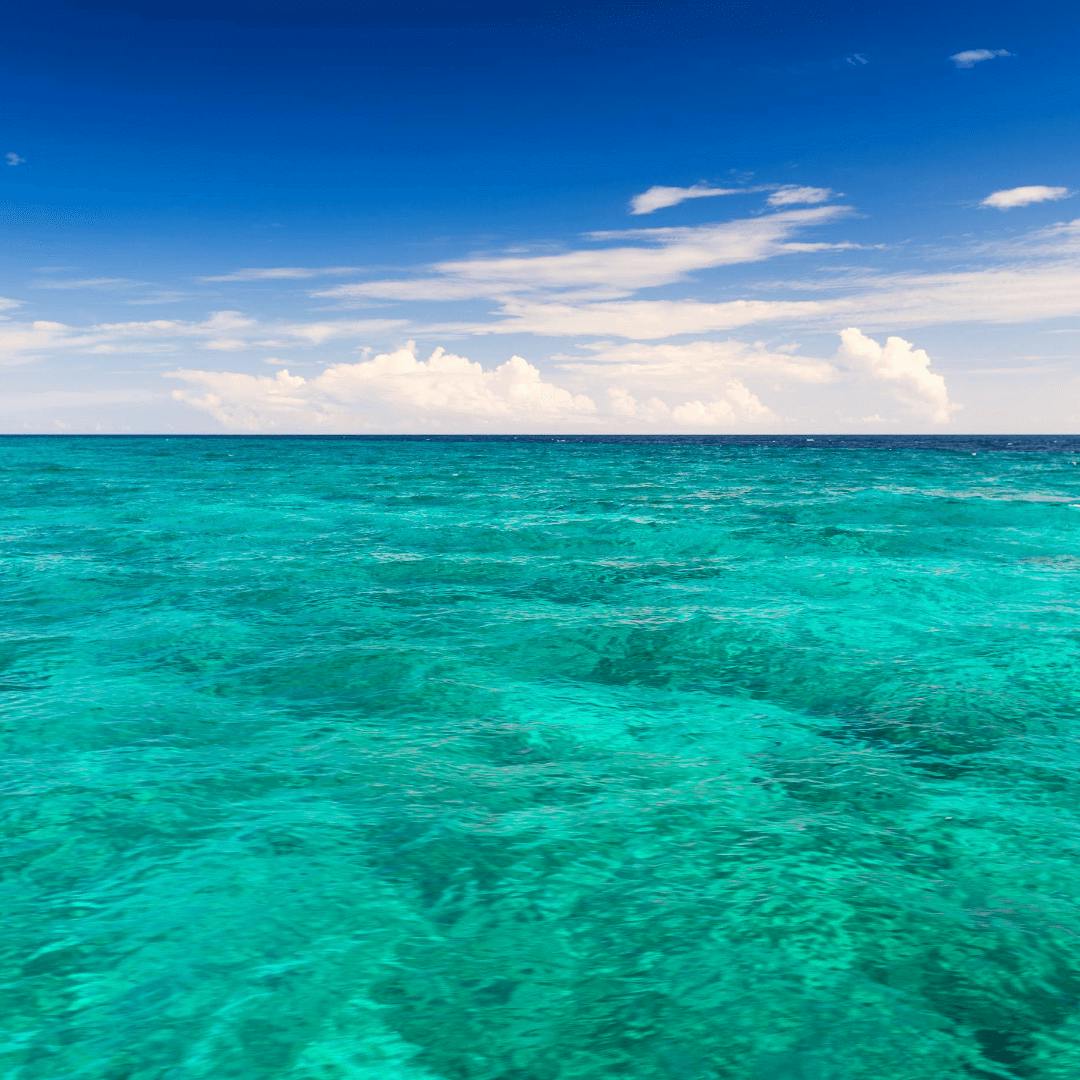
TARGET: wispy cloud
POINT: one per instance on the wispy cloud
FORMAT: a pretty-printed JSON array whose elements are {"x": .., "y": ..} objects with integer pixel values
[
  {"x": 857, "y": 60},
  {"x": 694, "y": 366},
  {"x": 654, "y": 257},
  {"x": 637, "y": 320},
  {"x": 798, "y": 195},
  {"x": 223, "y": 331},
  {"x": 660, "y": 197},
  {"x": 970, "y": 57},
  {"x": 1032, "y": 278},
  {"x": 159, "y": 296},
  {"x": 1011, "y": 198},
  {"x": 85, "y": 283},
  {"x": 13, "y": 159},
  {"x": 279, "y": 273}
]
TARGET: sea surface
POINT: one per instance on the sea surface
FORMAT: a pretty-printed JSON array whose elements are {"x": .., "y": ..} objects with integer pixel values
[{"x": 540, "y": 759}]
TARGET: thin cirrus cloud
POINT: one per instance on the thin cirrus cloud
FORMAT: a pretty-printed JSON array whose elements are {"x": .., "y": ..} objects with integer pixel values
[
  {"x": 640, "y": 259},
  {"x": 84, "y": 283},
  {"x": 595, "y": 293},
  {"x": 800, "y": 195},
  {"x": 638, "y": 320},
  {"x": 660, "y": 197},
  {"x": 968, "y": 58},
  {"x": 24, "y": 342},
  {"x": 1028, "y": 195},
  {"x": 694, "y": 365},
  {"x": 1034, "y": 277},
  {"x": 279, "y": 273},
  {"x": 13, "y": 159}
]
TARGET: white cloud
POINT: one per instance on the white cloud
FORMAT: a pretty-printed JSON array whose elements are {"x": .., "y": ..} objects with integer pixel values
[
  {"x": 398, "y": 391},
  {"x": 694, "y": 366},
  {"x": 1011, "y": 294},
  {"x": 393, "y": 391},
  {"x": 734, "y": 406},
  {"x": 13, "y": 159},
  {"x": 970, "y": 57},
  {"x": 857, "y": 60},
  {"x": 1010, "y": 198},
  {"x": 641, "y": 320},
  {"x": 797, "y": 195},
  {"x": 898, "y": 363},
  {"x": 223, "y": 331},
  {"x": 422, "y": 288},
  {"x": 706, "y": 386},
  {"x": 21, "y": 342},
  {"x": 664, "y": 256},
  {"x": 659, "y": 256},
  {"x": 84, "y": 283},
  {"x": 7, "y": 304},
  {"x": 660, "y": 197},
  {"x": 320, "y": 332},
  {"x": 1034, "y": 277},
  {"x": 280, "y": 273}
]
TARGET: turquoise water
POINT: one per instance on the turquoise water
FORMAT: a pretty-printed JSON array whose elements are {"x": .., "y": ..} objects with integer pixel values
[{"x": 525, "y": 760}]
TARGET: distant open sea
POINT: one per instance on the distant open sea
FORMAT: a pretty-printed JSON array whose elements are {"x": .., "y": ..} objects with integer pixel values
[{"x": 540, "y": 758}]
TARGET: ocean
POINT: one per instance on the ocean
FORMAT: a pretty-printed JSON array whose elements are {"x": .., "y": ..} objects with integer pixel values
[{"x": 540, "y": 758}]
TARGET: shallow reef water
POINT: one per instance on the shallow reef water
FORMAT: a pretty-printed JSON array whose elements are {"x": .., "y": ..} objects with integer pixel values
[{"x": 540, "y": 759}]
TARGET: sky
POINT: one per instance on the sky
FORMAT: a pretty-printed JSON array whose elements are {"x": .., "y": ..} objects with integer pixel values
[{"x": 436, "y": 216}]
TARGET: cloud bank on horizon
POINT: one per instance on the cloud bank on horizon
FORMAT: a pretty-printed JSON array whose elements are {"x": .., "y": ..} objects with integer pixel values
[
  {"x": 527, "y": 261},
  {"x": 624, "y": 359}
]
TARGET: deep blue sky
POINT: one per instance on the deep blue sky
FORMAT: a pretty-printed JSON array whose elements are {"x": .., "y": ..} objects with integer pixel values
[{"x": 167, "y": 141}]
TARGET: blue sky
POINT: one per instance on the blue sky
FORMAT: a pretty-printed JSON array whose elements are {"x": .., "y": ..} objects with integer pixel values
[{"x": 418, "y": 216}]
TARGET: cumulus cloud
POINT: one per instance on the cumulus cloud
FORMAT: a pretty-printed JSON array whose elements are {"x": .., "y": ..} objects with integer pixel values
[
  {"x": 970, "y": 57},
  {"x": 734, "y": 406},
  {"x": 701, "y": 386},
  {"x": 400, "y": 391},
  {"x": 395, "y": 391},
  {"x": 660, "y": 197},
  {"x": 796, "y": 195},
  {"x": 1010, "y": 198},
  {"x": 13, "y": 159},
  {"x": 7, "y": 304},
  {"x": 901, "y": 365}
]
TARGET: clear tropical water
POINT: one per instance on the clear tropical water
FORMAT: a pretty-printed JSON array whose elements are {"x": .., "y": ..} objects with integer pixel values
[{"x": 540, "y": 759}]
